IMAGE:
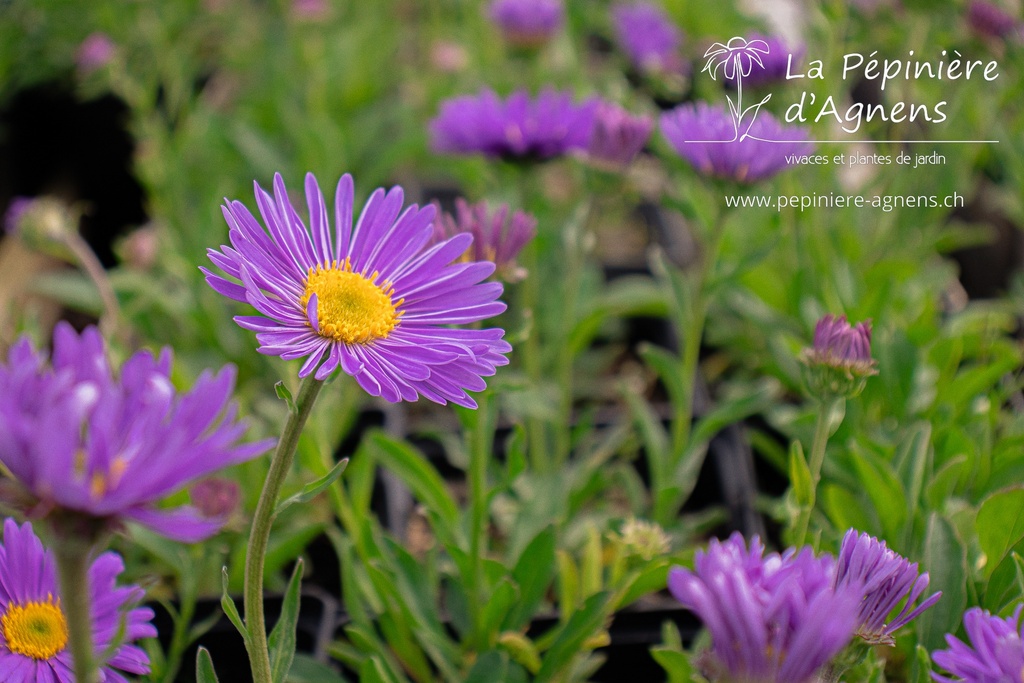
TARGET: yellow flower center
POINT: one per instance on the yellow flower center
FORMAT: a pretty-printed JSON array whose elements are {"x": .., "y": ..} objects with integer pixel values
[
  {"x": 351, "y": 307},
  {"x": 35, "y": 629}
]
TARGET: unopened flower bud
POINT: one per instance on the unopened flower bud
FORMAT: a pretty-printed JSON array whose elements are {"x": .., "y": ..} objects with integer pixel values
[
  {"x": 840, "y": 361},
  {"x": 216, "y": 497}
]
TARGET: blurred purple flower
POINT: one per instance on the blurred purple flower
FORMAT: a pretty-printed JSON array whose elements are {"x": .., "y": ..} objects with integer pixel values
[
  {"x": 772, "y": 619},
  {"x": 772, "y": 65},
  {"x": 497, "y": 237},
  {"x": 527, "y": 23},
  {"x": 108, "y": 448},
  {"x": 706, "y": 136},
  {"x": 95, "y": 51},
  {"x": 216, "y": 497},
  {"x": 990, "y": 20},
  {"x": 517, "y": 128},
  {"x": 370, "y": 297},
  {"x": 648, "y": 37},
  {"x": 16, "y": 210},
  {"x": 35, "y": 630},
  {"x": 448, "y": 56},
  {"x": 618, "y": 136},
  {"x": 310, "y": 10},
  {"x": 883, "y": 579},
  {"x": 995, "y": 653}
]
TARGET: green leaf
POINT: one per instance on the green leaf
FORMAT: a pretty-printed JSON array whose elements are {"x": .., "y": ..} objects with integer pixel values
[
  {"x": 676, "y": 664},
  {"x": 204, "y": 667},
  {"x": 305, "y": 669},
  {"x": 844, "y": 508},
  {"x": 492, "y": 666},
  {"x": 285, "y": 395},
  {"x": 424, "y": 481},
  {"x": 228, "y": 605},
  {"x": 1000, "y": 525},
  {"x": 884, "y": 489},
  {"x": 501, "y": 601},
  {"x": 800, "y": 474},
  {"x": 569, "y": 639},
  {"x": 313, "y": 488},
  {"x": 533, "y": 573},
  {"x": 282, "y": 638},
  {"x": 945, "y": 560}
]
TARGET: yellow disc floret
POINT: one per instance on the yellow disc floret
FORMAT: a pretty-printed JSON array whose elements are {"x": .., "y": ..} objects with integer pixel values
[
  {"x": 35, "y": 629},
  {"x": 351, "y": 307}
]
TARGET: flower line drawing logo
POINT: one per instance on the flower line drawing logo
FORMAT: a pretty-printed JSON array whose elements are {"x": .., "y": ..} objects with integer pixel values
[{"x": 736, "y": 59}]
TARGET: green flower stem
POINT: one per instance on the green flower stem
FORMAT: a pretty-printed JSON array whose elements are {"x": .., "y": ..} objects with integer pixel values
[
  {"x": 110, "y": 320},
  {"x": 479, "y": 453},
  {"x": 263, "y": 519},
  {"x": 821, "y": 433},
  {"x": 73, "y": 572}
]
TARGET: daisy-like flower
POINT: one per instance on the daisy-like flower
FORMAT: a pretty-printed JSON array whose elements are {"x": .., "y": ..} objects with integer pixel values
[
  {"x": 772, "y": 618},
  {"x": 736, "y": 59},
  {"x": 707, "y": 137},
  {"x": 527, "y": 23},
  {"x": 648, "y": 37},
  {"x": 884, "y": 579},
  {"x": 618, "y": 136},
  {"x": 84, "y": 443},
  {"x": 373, "y": 297},
  {"x": 995, "y": 653},
  {"x": 518, "y": 128},
  {"x": 497, "y": 236},
  {"x": 34, "y": 629}
]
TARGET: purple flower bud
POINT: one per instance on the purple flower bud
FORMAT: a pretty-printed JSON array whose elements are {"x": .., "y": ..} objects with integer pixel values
[
  {"x": 882, "y": 579},
  {"x": 618, "y": 136},
  {"x": 527, "y": 23},
  {"x": 216, "y": 497},
  {"x": 995, "y": 653},
  {"x": 840, "y": 361},
  {"x": 837, "y": 342},
  {"x": 95, "y": 51},
  {"x": 991, "y": 20},
  {"x": 496, "y": 236}
]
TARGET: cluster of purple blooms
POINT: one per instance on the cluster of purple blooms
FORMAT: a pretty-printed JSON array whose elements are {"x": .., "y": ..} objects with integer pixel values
[{"x": 781, "y": 618}]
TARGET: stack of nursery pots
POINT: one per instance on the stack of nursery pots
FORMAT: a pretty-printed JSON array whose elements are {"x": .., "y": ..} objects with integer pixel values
[{"x": 511, "y": 341}]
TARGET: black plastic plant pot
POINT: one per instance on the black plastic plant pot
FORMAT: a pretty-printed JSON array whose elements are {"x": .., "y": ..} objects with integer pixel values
[{"x": 318, "y": 614}]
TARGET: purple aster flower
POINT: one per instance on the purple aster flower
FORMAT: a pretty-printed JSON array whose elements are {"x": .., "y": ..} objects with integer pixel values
[
  {"x": 86, "y": 443},
  {"x": 516, "y": 128},
  {"x": 371, "y": 297},
  {"x": 648, "y": 37},
  {"x": 618, "y": 136},
  {"x": 883, "y": 578},
  {"x": 95, "y": 51},
  {"x": 991, "y": 20},
  {"x": 497, "y": 237},
  {"x": 995, "y": 653},
  {"x": 527, "y": 23},
  {"x": 769, "y": 66},
  {"x": 707, "y": 137},
  {"x": 34, "y": 628},
  {"x": 772, "y": 619}
]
